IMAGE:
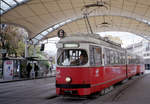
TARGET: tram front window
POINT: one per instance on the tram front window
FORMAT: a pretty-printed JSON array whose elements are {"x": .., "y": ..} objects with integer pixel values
[{"x": 72, "y": 57}]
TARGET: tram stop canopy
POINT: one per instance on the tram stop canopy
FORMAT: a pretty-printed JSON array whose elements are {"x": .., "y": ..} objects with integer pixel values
[{"x": 43, "y": 18}]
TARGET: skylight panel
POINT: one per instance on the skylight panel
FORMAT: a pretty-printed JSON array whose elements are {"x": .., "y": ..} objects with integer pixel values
[
  {"x": 11, "y": 2},
  {"x": 4, "y": 6},
  {"x": 56, "y": 26},
  {"x": 20, "y": 1},
  {"x": 39, "y": 37},
  {"x": 50, "y": 29},
  {"x": 34, "y": 41},
  {"x": 1, "y": 11},
  {"x": 44, "y": 33}
]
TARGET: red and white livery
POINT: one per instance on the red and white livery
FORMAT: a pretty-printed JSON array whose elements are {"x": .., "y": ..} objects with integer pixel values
[{"x": 104, "y": 63}]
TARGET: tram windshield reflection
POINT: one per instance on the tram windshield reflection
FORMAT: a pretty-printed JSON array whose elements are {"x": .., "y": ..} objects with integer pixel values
[{"x": 72, "y": 57}]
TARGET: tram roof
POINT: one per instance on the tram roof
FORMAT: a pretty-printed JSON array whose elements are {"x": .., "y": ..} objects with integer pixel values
[
  {"x": 42, "y": 18},
  {"x": 91, "y": 39}
]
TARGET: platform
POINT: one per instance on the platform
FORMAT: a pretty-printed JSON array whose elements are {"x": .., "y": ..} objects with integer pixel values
[{"x": 137, "y": 93}]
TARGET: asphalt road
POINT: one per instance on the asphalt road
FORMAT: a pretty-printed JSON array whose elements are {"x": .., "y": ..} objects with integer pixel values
[
  {"x": 27, "y": 92},
  {"x": 42, "y": 91}
]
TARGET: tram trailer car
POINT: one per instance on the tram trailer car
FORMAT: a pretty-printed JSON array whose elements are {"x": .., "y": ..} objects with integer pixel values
[
  {"x": 140, "y": 65},
  {"x": 135, "y": 65},
  {"x": 104, "y": 63}
]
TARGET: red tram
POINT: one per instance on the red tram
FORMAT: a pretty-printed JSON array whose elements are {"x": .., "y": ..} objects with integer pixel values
[{"x": 89, "y": 64}]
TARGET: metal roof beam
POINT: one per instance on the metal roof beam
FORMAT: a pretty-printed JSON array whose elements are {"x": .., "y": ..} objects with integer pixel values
[
  {"x": 2, "y": 9},
  {"x": 16, "y": 1}
]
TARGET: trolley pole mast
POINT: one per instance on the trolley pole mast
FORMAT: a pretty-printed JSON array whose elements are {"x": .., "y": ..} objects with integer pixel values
[{"x": 87, "y": 22}]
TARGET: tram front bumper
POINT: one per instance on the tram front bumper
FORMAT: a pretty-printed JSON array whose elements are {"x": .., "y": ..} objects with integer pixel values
[{"x": 73, "y": 89}]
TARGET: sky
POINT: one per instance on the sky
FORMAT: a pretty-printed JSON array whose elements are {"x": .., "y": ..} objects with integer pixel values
[
  {"x": 127, "y": 39},
  {"x": 50, "y": 47}
]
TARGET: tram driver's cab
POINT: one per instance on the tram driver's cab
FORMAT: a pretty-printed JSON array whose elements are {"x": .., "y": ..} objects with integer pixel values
[{"x": 72, "y": 57}]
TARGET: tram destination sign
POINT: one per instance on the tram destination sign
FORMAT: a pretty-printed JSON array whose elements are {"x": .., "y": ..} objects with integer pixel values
[{"x": 71, "y": 45}]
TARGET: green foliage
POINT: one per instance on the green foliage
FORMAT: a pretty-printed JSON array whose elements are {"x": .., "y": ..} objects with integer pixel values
[
  {"x": 21, "y": 48},
  {"x": 12, "y": 41},
  {"x": 44, "y": 61},
  {"x": 31, "y": 50},
  {"x": 37, "y": 48},
  {"x": 40, "y": 55}
]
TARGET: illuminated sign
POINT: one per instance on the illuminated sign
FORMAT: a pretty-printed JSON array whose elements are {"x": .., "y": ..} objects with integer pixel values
[{"x": 71, "y": 45}]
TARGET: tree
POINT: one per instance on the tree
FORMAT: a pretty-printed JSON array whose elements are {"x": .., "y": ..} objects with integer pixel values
[
  {"x": 41, "y": 56},
  {"x": 20, "y": 50},
  {"x": 12, "y": 39}
]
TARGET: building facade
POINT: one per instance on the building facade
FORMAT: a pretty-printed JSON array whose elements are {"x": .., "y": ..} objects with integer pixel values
[{"x": 142, "y": 49}]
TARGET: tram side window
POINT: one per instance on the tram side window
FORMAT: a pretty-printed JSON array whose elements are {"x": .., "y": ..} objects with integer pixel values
[
  {"x": 133, "y": 60},
  {"x": 130, "y": 59},
  {"x": 120, "y": 58},
  {"x": 123, "y": 58},
  {"x": 139, "y": 60},
  {"x": 107, "y": 56},
  {"x": 112, "y": 57},
  {"x": 116, "y": 57},
  {"x": 95, "y": 55},
  {"x": 92, "y": 61}
]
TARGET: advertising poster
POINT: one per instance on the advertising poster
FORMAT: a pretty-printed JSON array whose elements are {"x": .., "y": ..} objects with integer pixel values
[{"x": 8, "y": 69}]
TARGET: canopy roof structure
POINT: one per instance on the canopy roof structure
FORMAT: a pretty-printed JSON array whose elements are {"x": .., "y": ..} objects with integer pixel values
[{"x": 43, "y": 18}]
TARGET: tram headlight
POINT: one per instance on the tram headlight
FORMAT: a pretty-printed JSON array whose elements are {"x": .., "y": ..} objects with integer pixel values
[{"x": 68, "y": 79}]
